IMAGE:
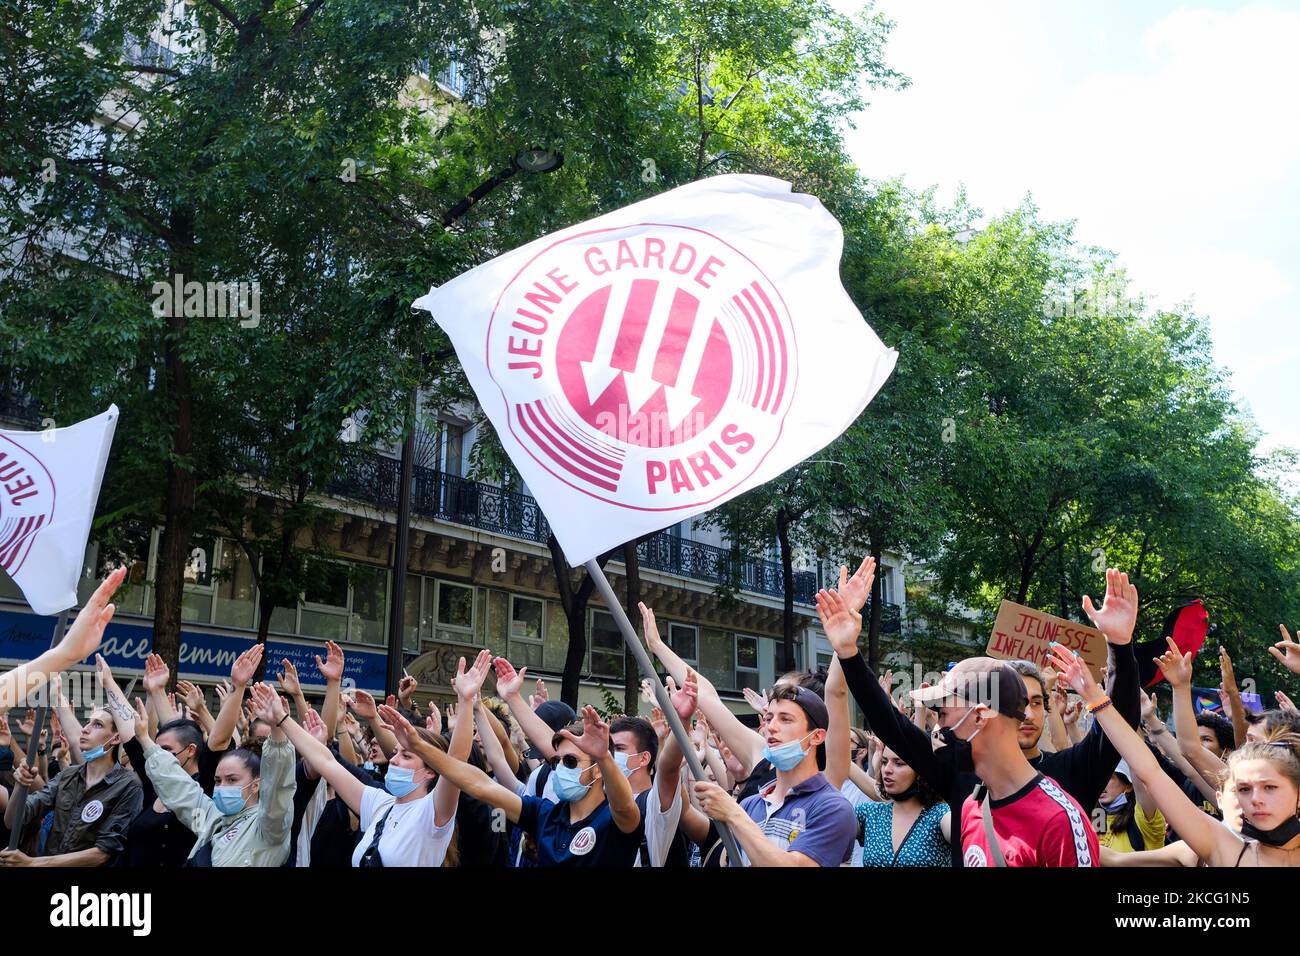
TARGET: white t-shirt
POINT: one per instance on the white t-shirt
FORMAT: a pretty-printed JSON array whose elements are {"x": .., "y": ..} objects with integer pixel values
[
  {"x": 529, "y": 789},
  {"x": 853, "y": 793},
  {"x": 410, "y": 837},
  {"x": 660, "y": 825}
]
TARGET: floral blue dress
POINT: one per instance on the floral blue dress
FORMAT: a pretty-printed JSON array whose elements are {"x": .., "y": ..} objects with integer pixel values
[{"x": 924, "y": 844}]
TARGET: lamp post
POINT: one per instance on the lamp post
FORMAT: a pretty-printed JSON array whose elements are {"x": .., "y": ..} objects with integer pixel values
[{"x": 532, "y": 161}]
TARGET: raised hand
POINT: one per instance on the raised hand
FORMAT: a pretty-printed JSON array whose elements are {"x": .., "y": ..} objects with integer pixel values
[
  {"x": 1060, "y": 699},
  {"x": 405, "y": 688},
  {"x": 650, "y": 629},
  {"x": 364, "y": 705},
  {"x": 140, "y": 720},
  {"x": 467, "y": 683},
  {"x": 1074, "y": 671},
  {"x": 315, "y": 725},
  {"x": 1284, "y": 702},
  {"x": 686, "y": 699},
  {"x": 267, "y": 705},
  {"x": 332, "y": 667},
  {"x": 841, "y": 622},
  {"x": 245, "y": 666},
  {"x": 1072, "y": 712},
  {"x": 539, "y": 696},
  {"x": 1175, "y": 665},
  {"x": 192, "y": 696},
  {"x": 647, "y": 693},
  {"x": 288, "y": 677},
  {"x": 400, "y": 726},
  {"x": 1148, "y": 706},
  {"x": 28, "y": 723},
  {"x": 1287, "y": 651},
  {"x": 756, "y": 701},
  {"x": 660, "y": 723},
  {"x": 509, "y": 682},
  {"x": 1117, "y": 615},
  {"x": 434, "y": 720},
  {"x": 594, "y": 741},
  {"x": 729, "y": 759},
  {"x": 87, "y": 631},
  {"x": 1228, "y": 679},
  {"x": 156, "y": 673},
  {"x": 855, "y": 590}
]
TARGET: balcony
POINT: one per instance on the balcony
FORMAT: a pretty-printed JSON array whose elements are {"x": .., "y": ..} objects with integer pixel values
[{"x": 438, "y": 496}]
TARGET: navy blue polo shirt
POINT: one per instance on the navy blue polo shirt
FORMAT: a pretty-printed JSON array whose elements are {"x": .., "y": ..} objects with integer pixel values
[{"x": 593, "y": 841}]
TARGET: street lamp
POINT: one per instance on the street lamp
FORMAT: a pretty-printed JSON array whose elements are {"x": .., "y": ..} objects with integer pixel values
[{"x": 533, "y": 161}]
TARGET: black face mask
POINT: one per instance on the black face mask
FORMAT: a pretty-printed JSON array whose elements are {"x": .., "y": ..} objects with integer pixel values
[
  {"x": 956, "y": 753},
  {"x": 908, "y": 794},
  {"x": 1280, "y": 835}
]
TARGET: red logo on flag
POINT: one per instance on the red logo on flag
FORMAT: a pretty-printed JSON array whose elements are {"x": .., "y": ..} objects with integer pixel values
[
  {"x": 26, "y": 503},
  {"x": 650, "y": 366}
]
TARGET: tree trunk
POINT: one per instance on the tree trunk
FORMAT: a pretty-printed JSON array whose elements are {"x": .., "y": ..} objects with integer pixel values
[
  {"x": 787, "y": 586},
  {"x": 575, "y": 655},
  {"x": 574, "y": 604},
  {"x": 178, "y": 501},
  {"x": 631, "y": 672},
  {"x": 873, "y": 626}
]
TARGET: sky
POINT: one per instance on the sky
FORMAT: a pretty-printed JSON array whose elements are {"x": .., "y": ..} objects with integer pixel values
[{"x": 1169, "y": 132}]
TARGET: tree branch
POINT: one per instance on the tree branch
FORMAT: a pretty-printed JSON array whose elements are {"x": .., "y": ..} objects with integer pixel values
[
  {"x": 301, "y": 23},
  {"x": 226, "y": 13}
]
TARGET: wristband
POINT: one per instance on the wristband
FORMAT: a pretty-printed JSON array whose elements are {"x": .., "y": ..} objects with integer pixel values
[
  {"x": 283, "y": 719},
  {"x": 1099, "y": 706}
]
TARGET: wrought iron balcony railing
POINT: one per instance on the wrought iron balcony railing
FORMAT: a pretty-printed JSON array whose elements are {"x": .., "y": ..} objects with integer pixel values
[{"x": 373, "y": 478}]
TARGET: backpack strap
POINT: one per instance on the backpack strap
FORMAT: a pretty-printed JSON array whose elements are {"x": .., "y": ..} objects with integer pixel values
[{"x": 984, "y": 798}]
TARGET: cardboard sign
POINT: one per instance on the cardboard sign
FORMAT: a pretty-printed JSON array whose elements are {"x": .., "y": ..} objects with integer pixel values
[{"x": 1021, "y": 633}]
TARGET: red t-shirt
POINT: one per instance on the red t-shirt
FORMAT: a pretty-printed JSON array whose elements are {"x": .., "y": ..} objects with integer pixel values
[{"x": 1040, "y": 825}]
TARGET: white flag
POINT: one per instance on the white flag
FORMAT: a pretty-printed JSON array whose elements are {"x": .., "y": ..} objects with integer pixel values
[
  {"x": 650, "y": 364},
  {"x": 49, "y": 483}
]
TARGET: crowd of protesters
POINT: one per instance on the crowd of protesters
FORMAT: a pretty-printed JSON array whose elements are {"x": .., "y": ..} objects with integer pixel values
[{"x": 999, "y": 763}]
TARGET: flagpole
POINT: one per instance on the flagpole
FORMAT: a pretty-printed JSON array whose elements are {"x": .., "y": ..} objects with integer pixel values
[
  {"x": 19, "y": 797},
  {"x": 661, "y": 695}
]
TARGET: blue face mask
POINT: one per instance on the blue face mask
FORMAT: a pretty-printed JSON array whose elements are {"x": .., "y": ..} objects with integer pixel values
[
  {"x": 399, "y": 781},
  {"x": 568, "y": 786},
  {"x": 621, "y": 760},
  {"x": 229, "y": 800},
  {"x": 786, "y": 756},
  {"x": 95, "y": 754},
  {"x": 1117, "y": 804},
  {"x": 368, "y": 765}
]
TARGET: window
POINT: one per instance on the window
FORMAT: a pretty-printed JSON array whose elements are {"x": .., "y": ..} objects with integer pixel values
[
  {"x": 718, "y": 658},
  {"x": 368, "y": 623},
  {"x": 455, "y": 618},
  {"x": 324, "y": 612},
  {"x": 451, "y": 448},
  {"x": 885, "y": 577},
  {"x": 684, "y": 639},
  {"x": 606, "y": 646},
  {"x": 526, "y": 620},
  {"x": 196, "y": 597},
  {"x": 412, "y": 622},
  {"x": 747, "y": 663},
  {"x": 235, "y": 589}
]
